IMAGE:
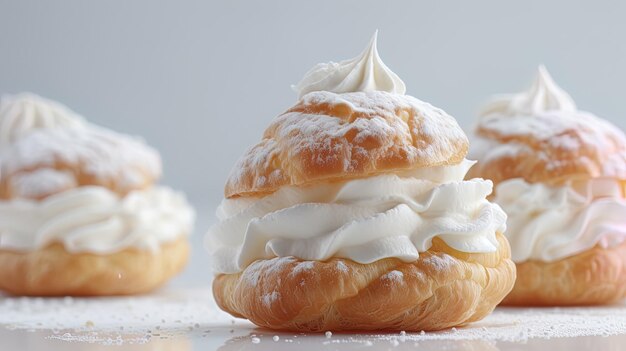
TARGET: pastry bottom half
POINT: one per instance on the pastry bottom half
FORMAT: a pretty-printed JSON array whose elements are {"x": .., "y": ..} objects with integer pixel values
[
  {"x": 442, "y": 289},
  {"x": 53, "y": 271},
  {"x": 593, "y": 277}
]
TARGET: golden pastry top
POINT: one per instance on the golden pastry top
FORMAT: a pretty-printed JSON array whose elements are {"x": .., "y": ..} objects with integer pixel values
[
  {"x": 540, "y": 136},
  {"x": 329, "y": 137}
]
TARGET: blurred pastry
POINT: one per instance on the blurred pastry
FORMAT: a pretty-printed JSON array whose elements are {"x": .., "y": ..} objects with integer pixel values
[
  {"x": 79, "y": 211},
  {"x": 352, "y": 214},
  {"x": 560, "y": 176}
]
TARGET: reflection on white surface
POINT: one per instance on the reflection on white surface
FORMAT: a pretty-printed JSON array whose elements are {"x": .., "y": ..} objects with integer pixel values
[
  {"x": 41, "y": 340},
  {"x": 182, "y": 318},
  {"x": 187, "y": 319},
  {"x": 245, "y": 337},
  {"x": 284, "y": 341}
]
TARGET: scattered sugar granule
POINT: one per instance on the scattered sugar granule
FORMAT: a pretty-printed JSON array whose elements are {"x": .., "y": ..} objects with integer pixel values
[
  {"x": 256, "y": 340},
  {"x": 276, "y": 338},
  {"x": 328, "y": 334}
]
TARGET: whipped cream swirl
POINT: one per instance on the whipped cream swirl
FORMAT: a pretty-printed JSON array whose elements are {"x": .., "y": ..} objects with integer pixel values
[
  {"x": 366, "y": 72},
  {"x": 548, "y": 223},
  {"x": 365, "y": 220},
  {"x": 22, "y": 113},
  {"x": 94, "y": 219},
  {"x": 544, "y": 95}
]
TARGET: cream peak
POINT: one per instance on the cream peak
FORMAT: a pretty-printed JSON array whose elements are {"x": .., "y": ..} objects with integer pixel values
[
  {"x": 543, "y": 95},
  {"x": 23, "y": 113},
  {"x": 364, "y": 73}
]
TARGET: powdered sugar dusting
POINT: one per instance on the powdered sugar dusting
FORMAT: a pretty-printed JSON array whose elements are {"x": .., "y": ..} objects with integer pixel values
[
  {"x": 313, "y": 130},
  {"x": 394, "y": 276},
  {"x": 177, "y": 314},
  {"x": 342, "y": 267},
  {"x": 115, "y": 320},
  {"x": 366, "y": 126},
  {"x": 269, "y": 299},
  {"x": 253, "y": 273},
  {"x": 303, "y": 267},
  {"x": 552, "y": 124},
  {"x": 552, "y": 133},
  {"x": 40, "y": 133},
  {"x": 439, "y": 262},
  {"x": 510, "y": 325},
  {"x": 548, "y": 114},
  {"x": 487, "y": 150},
  {"x": 101, "y": 153},
  {"x": 41, "y": 182}
]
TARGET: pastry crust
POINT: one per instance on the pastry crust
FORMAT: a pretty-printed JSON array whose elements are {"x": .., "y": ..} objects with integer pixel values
[
  {"x": 548, "y": 148},
  {"x": 78, "y": 157},
  {"x": 10, "y": 188},
  {"x": 328, "y": 137},
  {"x": 52, "y": 271},
  {"x": 442, "y": 289},
  {"x": 596, "y": 276}
]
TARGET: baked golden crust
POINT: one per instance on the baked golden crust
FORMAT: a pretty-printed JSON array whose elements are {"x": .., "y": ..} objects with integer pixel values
[
  {"x": 549, "y": 148},
  {"x": 9, "y": 188},
  {"x": 328, "y": 136},
  {"x": 52, "y": 271},
  {"x": 49, "y": 161},
  {"x": 596, "y": 276},
  {"x": 442, "y": 289}
]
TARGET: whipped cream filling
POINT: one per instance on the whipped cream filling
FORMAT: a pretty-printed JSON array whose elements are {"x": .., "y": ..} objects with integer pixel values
[
  {"x": 543, "y": 95},
  {"x": 548, "y": 223},
  {"x": 94, "y": 219},
  {"x": 365, "y": 220},
  {"x": 366, "y": 72}
]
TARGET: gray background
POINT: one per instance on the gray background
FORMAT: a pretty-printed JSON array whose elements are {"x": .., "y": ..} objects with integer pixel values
[{"x": 200, "y": 80}]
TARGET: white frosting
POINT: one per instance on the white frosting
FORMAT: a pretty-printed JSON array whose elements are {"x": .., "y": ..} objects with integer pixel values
[
  {"x": 94, "y": 219},
  {"x": 548, "y": 223},
  {"x": 368, "y": 219},
  {"x": 22, "y": 113},
  {"x": 366, "y": 72},
  {"x": 544, "y": 95}
]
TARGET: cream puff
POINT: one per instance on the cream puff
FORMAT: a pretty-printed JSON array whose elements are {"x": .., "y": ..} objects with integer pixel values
[
  {"x": 79, "y": 211},
  {"x": 352, "y": 213},
  {"x": 560, "y": 175}
]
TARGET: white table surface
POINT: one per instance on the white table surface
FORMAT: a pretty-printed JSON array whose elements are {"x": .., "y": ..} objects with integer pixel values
[
  {"x": 183, "y": 316},
  {"x": 183, "y": 320}
]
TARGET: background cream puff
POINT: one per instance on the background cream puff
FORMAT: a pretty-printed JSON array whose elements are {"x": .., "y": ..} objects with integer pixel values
[
  {"x": 560, "y": 176},
  {"x": 79, "y": 211},
  {"x": 352, "y": 214}
]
